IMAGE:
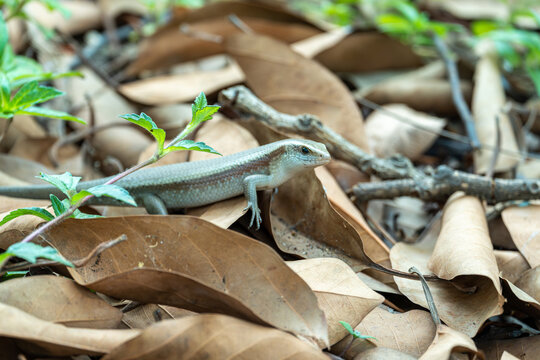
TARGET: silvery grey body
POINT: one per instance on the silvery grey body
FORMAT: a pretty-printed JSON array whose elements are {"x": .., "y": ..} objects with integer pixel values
[{"x": 204, "y": 182}]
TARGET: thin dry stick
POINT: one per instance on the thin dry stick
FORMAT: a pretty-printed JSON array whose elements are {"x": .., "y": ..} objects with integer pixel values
[
  {"x": 429, "y": 298},
  {"x": 77, "y": 263},
  {"x": 497, "y": 150},
  {"x": 457, "y": 95}
]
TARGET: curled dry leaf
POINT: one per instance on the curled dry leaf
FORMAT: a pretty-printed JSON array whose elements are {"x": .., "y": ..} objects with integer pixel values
[
  {"x": 526, "y": 348},
  {"x": 530, "y": 282},
  {"x": 341, "y": 294},
  {"x": 411, "y": 332},
  {"x": 448, "y": 341},
  {"x": 212, "y": 336},
  {"x": 47, "y": 338},
  {"x": 389, "y": 135},
  {"x": 518, "y": 299},
  {"x": 511, "y": 264},
  {"x": 522, "y": 223},
  {"x": 186, "y": 262},
  {"x": 487, "y": 105},
  {"x": 59, "y": 300},
  {"x": 293, "y": 84},
  {"x": 463, "y": 253},
  {"x": 304, "y": 223},
  {"x": 382, "y": 353}
]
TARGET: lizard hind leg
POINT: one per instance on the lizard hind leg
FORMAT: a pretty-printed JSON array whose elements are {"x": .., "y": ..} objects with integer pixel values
[{"x": 154, "y": 205}]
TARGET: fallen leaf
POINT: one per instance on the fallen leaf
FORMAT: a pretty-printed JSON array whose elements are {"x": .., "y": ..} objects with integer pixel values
[
  {"x": 526, "y": 348},
  {"x": 529, "y": 282},
  {"x": 511, "y": 264},
  {"x": 463, "y": 253},
  {"x": 448, "y": 341},
  {"x": 487, "y": 104},
  {"x": 389, "y": 135},
  {"x": 304, "y": 223},
  {"x": 411, "y": 332},
  {"x": 382, "y": 353},
  {"x": 186, "y": 262},
  {"x": 213, "y": 336},
  {"x": 47, "y": 338},
  {"x": 146, "y": 315},
  {"x": 522, "y": 223},
  {"x": 302, "y": 86},
  {"x": 59, "y": 300},
  {"x": 84, "y": 15},
  {"x": 341, "y": 294}
]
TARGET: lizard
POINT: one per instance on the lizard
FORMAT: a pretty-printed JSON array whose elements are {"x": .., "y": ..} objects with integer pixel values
[{"x": 197, "y": 183}]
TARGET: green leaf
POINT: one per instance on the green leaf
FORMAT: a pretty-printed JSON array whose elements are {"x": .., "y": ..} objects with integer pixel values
[
  {"x": 347, "y": 327},
  {"x": 200, "y": 111},
  {"x": 39, "y": 212},
  {"x": 22, "y": 79},
  {"x": 55, "y": 5},
  {"x": 190, "y": 145},
  {"x": 32, "y": 93},
  {"x": 77, "y": 214},
  {"x": 4, "y": 36},
  {"x": 147, "y": 123},
  {"x": 31, "y": 252},
  {"x": 5, "y": 93},
  {"x": 13, "y": 274},
  {"x": 109, "y": 190},
  {"x": 59, "y": 206},
  {"x": 66, "y": 182},
  {"x": 482, "y": 27},
  {"x": 394, "y": 24},
  {"x": 50, "y": 113},
  {"x": 356, "y": 334}
]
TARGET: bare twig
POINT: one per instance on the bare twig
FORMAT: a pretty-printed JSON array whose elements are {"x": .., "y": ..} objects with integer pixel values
[
  {"x": 445, "y": 181},
  {"x": 429, "y": 298},
  {"x": 77, "y": 263},
  {"x": 244, "y": 101},
  {"x": 457, "y": 95}
]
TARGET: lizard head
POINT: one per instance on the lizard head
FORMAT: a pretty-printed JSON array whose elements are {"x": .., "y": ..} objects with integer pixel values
[{"x": 307, "y": 153}]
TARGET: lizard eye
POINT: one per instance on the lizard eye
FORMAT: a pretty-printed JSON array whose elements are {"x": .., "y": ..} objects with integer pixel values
[{"x": 305, "y": 150}]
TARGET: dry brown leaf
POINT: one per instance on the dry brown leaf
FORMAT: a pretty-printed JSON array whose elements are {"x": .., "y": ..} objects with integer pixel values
[
  {"x": 112, "y": 8},
  {"x": 374, "y": 247},
  {"x": 345, "y": 174},
  {"x": 529, "y": 282},
  {"x": 507, "y": 356},
  {"x": 169, "y": 89},
  {"x": 376, "y": 285},
  {"x": 45, "y": 337},
  {"x": 84, "y": 15},
  {"x": 463, "y": 252},
  {"x": 511, "y": 264},
  {"x": 411, "y": 332},
  {"x": 315, "y": 44},
  {"x": 304, "y": 223},
  {"x": 341, "y": 294},
  {"x": 389, "y": 135},
  {"x": 186, "y": 262},
  {"x": 526, "y": 348},
  {"x": 213, "y": 336},
  {"x": 59, "y": 300},
  {"x": 145, "y": 315},
  {"x": 423, "y": 94},
  {"x": 377, "y": 52},
  {"x": 448, "y": 341},
  {"x": 294, "y": 84},
  {"x": 487, "y": 105},
  {"x": 169, "y": 45},
  {"x": 522, "y": 223},
  {"x": 382, "y": 353}
]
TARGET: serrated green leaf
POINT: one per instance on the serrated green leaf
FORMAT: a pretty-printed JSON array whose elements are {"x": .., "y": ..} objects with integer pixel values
[
  {"x": 109, "y": 190},
  {"x": 50, "y": 113},
  {"x": 77, "y": 214},
  {"x": 17, "y": 66},
  {"x": 59, "y": 206},
  {"x": 32, "y": 93},
  {"x": 5, "y": 94},
  {"x": 147, "y": 123},
  {"x": 199, "y": 103},
  {"x": 66, "y": 182},
  {"x": 31, "y": 252},
  {"x": 39, "y": 212},
  {"x": 191, "y": 145}
]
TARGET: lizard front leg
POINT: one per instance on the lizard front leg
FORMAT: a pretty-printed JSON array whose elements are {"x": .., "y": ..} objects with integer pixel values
[{"x": 251, "y": 184}]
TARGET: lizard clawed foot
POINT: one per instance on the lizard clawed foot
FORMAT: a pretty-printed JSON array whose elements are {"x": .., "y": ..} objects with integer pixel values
[{"x": 255, "y": 214}]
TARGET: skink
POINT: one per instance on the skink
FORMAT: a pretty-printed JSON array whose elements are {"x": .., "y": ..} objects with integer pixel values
[{"x": 204, "y": 182}]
